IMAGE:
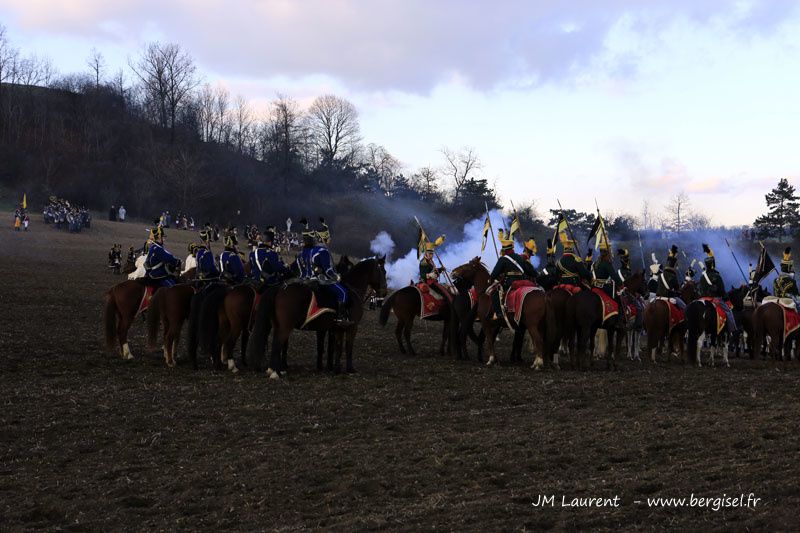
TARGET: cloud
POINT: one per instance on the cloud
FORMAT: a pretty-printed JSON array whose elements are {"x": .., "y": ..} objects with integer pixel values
[{"x": 386, "y": 45}]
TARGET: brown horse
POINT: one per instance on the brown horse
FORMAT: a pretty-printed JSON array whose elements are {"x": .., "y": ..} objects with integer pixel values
[
  {"x": 656, "y": 324},
  {"x": 532, "y": 318},
  {"x": 170, "y": 309},
  {"x": 406, "y": 304},
  {"x": 286, "y": 310},
  {"x": 222, "y": 323},
  {"x": 768, "y": 323}
]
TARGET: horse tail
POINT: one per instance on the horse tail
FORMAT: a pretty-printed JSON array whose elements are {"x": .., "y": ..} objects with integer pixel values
[
  {"x": 695, "y": 324},
  {"x": 110, "y": 321},
  {"x": 257, "y": 343},
  {"x": 209, "y": 319},
  {"x": 154, "y": 318},
  {"x": 386, "y": 308}
]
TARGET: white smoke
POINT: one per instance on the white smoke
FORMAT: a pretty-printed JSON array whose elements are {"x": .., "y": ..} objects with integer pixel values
[
  {"x": 382, "y": 244},
  {"x": 406, "y": 269}
]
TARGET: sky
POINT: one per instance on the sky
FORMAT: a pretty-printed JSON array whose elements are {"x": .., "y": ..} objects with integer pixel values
[{"x": 617, "y": 101}]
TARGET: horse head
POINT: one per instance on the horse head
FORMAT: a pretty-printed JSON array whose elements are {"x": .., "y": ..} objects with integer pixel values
[
  {"x": 466, "y": 275},
  {"x": 370, "y": 272},
  {"x": 637, "y": 284},
  {"x": 689, "y": 291}
]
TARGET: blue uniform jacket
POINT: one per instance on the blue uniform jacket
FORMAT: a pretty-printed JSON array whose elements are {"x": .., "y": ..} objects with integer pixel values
[
  {"x": 266, "y": 264},
  {"x": 206, "y": 265},
  {"x": 316, "y": 263},
  {"x": 232, "y": 267},
  {"x": 159, "y": 263}
]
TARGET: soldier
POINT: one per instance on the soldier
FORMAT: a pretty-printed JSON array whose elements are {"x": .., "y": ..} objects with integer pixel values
[
  {"x": 510, "y": 267},
  {"x": 266, "y": 266},
  {"x": 605, "y": 277},
  {"x": 571, "y": 269},
  {"x": 624, "y": 271},
  {"x": 206, "y": 234},
  {"x": 785, "y": 285},
  {"x": 207, "y": 270},
  {"x": 529, "y": 250},
  {"x": 160, "y": 265},
  {"x": 690, "y": 274},
  {"x": 550, "y": 268},
  {"x": 668, "y": 286},
  {"x": 314, "y": 263},
  {"x": 589, "y": 261},
  {"x": 230, "y": 262},
  {"x": 428, "y": 273},
  {"x": 157, "y": 232},
  {"x": 711, "y": 285}
]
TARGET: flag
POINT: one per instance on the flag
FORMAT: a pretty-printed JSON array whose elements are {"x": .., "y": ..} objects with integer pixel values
[
  {"x": 764, "y": 267},
  {"x": 598, "y": 232},
  {"x": 422, "y": 239},
  {"x": 24, "y": 201},
  {"x": 561, "y": 227},
  {"x": 486, "y": 228},
  {"x": 514, "y": 227}
]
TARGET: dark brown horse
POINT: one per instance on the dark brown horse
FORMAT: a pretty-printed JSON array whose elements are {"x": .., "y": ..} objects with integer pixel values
[
  {"x": 406, "y": 304},
  {"x": 169, "y": 308},
  {"x": 475, "y": 274},
  {"x": 656, "y": 324},
  {"x": 222, "y": 322},
  {"x": 768, "y": 328},
  {"x": 287, "y": 308}
]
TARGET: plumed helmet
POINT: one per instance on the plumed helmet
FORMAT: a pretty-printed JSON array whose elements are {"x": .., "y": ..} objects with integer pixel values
[
  {"x": 787, "y": 265},
  {"x": 506, "y": 242},
  {"x": 709, "y": 259}
]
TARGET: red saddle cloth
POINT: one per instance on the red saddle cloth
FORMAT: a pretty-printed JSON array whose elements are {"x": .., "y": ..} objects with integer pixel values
[
  {"x": 676, "y": 316},
  {"x": 791, "y": 320},
  {"x": 516, "y": 297},
  {"x": 148, "y": 294},
  {"x": 432, "y": 300},
  {"x": 572, "y": 289},
  {"x": 315, "y": 310},
  {"x": 610, "y": 307},
  {"x": 721, "y": 316},
  {"x": 473, "y": 296}
]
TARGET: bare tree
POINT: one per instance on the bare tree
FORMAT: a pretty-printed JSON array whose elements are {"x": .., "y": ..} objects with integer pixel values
[
  {"x": 698, "y": 222},
  {"x": 646, "y": 219},
  {"x": 167, "y": 74},
  {"x": 242, "y": 123},
  {"x": 426, "y": 182},
  {"x": 97, "y": 65},
  {"x": 333, "y": 124},
  {"x": 284, "y": 137},
  {"x": 221, "y": 103},
  {"x": 382, "y": 164},
  {"x": 677, "y": 212},
  {"x": 460, "y": 166}
]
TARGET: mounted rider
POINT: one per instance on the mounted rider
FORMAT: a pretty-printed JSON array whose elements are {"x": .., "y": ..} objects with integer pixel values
[
  {"x": 605, "y": 277},
  {"x": 529, "y": 250},
  {"x": 266, "y": 266},
  {"x": 550, "y": 268},
  {"x": 230, "y": 262},
  {"x": 668, "y": 285},
  {"x": 785, "y": 286},
  {"x": 206, "y": 270},
  {"x": 314, "y": 263},
  {"x": 428, "y": 272},
  {"x": 160, "y": 266},
  {"x": 571, "y": 269},
  {"x": 690, "y": 274},
  {"x": 711, "y": 285},
  {"x": 588, "y": 260},
  {"x": 207, "y": 234},
  {"x": 624, "y": 271},
  {"x": 510, "y": 267}
]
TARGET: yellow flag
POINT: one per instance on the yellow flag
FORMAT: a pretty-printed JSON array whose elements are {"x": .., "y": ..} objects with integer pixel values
[
  {"x": 24, "y": 201},
  {"x": 421, "y": 243},
  {"x": 486, "y": 226},
  {"x": 514, "y": 227}
]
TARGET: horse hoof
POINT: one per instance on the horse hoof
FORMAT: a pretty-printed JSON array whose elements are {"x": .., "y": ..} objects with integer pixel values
[
  {"x": 231, "y": 365},
  {"x": 271, "y": 374}
]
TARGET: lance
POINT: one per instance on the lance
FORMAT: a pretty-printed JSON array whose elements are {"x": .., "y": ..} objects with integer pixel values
[
  {"x": 491, "y": 229},
  {"x": 641, "y": 250},
  {"x": 441, "y": 264},
  {"x": 737, "y": 262},
  {"x": 569, "y": 228}
]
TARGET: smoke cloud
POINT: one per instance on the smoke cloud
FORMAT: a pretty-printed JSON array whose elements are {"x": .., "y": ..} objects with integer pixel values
[{"x": 382, "y": 244}]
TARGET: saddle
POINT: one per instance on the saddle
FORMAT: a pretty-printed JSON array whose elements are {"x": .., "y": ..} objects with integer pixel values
[
  {"x": 432, "y": 301},
  {"x": 676, "y": 316},
  {"x": 791, "y": 317},
  {"x": 722, "y": 318},
  {"x": 515, "y": 298},
  {"x": 572, "y": 289},
  {"x": 610, "y": 307}
]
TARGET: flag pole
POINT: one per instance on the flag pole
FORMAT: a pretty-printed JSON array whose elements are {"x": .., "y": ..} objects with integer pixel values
[
  {"x": 746, "y": 282},
  {"x": 491, "y": 229},
  {"x": 444, "y": 269},
  {"x": 569, "y": 228},
  {"x": 641, "y": 250},
  {"x": 603, "y": 229}
]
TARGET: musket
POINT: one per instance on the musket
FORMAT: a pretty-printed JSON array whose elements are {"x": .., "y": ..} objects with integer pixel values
[
  {"x": 491, "y": 229},
  {"x": 746, "y": 281},
  {"x": 441, "y": 264},
  {"x": 569, "y": 228}
]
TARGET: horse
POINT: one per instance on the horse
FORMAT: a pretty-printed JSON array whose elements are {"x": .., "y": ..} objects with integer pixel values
[
  {"x": 635, "y": 286},
  {"x": 123, "y": 303},
  {"x": 585, "y": 316},
  {"x": 169, "y": 308},
  {"x": 656, "y": 323},
  {"x": 406, "y": 303},
  {"x": 701, "y": 323},
  {"x": 768, "y": 328},
  {"x": 744, "y": 318},
  {"x": 344, "y": 265},
  {"x": 531, "y": 319},
  {"x": 286, "y": 310},
  {"x": 223, "y": 320}
]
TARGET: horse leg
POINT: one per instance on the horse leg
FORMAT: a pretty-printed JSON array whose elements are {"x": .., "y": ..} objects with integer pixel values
[
  {"x": 538, "y": 347},
  {"x": 725, "y": 353},
  {"x": 445, "y": 335},
  {"x": 491, "y": 334},
  {"x": 123, "y": 325},
  {"x": 398, "y": 333},
  {"x": 407, "y": 336},
  {"x": 331, "y": 349},
  {"x": 350, "y": 341},
  {"x": 280, "y": 340},
  {"x": 320, "y": 348},
  {"x": 337, "y": 365}
]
